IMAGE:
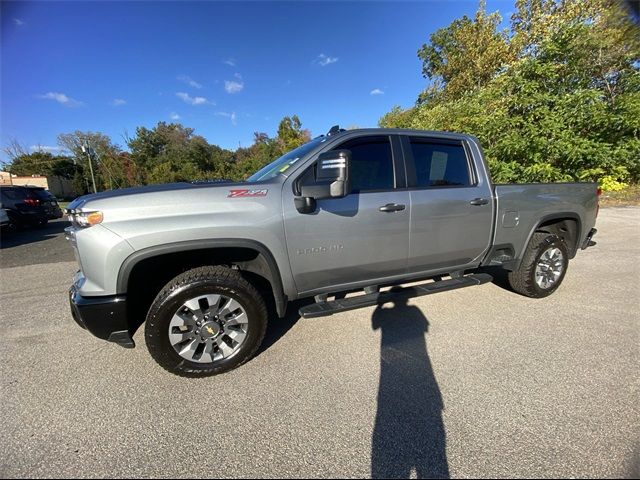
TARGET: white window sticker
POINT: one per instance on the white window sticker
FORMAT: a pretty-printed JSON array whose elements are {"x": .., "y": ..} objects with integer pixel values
[{"x": 438, "y": 166}]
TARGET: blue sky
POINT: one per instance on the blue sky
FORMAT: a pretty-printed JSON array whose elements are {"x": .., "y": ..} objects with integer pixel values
[{"x": 225, "y": 69}]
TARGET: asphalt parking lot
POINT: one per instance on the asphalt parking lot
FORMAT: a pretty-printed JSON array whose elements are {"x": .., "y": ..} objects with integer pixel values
[{"x": 478, "y": 382}]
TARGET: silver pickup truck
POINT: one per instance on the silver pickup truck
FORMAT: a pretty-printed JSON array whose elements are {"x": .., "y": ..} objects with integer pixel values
[{"x": 352, "y": 211}]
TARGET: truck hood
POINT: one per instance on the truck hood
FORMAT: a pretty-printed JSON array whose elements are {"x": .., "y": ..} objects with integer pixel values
[
  {"x": 176, "y": 199},
  {"x": 142, "y": 196}
]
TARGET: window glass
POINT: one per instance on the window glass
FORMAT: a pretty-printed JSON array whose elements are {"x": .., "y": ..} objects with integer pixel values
[
  {"x": 439, "y": 165},
  {"x": 371, "y": 163},
  {"x": 13, "y": 194},
  {"x": 283, "y": 163},
  {"x": 42, "y": 194}
]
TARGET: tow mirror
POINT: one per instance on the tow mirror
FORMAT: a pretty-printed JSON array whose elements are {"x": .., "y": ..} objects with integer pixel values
[{"x": 332, "y": 179}]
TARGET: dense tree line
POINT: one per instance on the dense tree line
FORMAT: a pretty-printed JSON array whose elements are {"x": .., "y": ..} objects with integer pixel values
[
  {"x": 555, "y": 98},
  {"x": 169, "y": 152}
]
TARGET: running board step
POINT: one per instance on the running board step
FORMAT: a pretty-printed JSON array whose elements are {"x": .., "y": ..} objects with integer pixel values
[{"x": 322, "y": 309}]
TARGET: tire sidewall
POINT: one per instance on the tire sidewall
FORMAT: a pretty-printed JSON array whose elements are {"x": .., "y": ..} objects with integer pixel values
[
  {"x": 552, "y": 241},
  {"x": 161, "y": 313}
]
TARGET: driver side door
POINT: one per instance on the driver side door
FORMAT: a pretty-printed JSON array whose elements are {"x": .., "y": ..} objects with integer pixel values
[{"x": 358, "y": 239}]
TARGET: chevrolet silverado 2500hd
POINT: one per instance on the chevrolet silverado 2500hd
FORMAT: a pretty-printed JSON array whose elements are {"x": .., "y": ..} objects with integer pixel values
[{"x": 360, "y": 209}]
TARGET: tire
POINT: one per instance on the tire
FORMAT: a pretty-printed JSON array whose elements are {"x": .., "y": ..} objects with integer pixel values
[
  {"x": 14, "y": 225},
  {"x": 523, "y": 280},
  {"x": 170, "y": 306}
]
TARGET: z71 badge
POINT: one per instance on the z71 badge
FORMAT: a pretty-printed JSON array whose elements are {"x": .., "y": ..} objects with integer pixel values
[{"x": 247, "y": 193}]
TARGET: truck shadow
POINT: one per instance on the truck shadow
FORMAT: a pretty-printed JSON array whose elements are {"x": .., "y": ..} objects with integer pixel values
[
  {"x": 278, "y": 327},
  {"x": 500, "y": 276},
  {"x": 409, "y": 435}
]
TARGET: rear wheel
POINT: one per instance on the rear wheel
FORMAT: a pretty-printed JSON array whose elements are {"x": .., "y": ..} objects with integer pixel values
[
  {"x": 14, "y": 225},
  {"x": 206, "y": 321},
  {"x": 543, "y": 266}
]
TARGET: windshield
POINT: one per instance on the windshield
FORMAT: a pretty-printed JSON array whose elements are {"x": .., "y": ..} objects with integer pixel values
[{"x": 283, "y": 163}]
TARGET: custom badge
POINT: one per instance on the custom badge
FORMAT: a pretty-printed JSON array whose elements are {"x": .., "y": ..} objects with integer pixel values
[{"x": 247, "y": 193}]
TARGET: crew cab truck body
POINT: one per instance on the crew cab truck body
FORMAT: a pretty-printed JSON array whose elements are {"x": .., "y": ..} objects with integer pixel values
[{"x": 359, "y": 209}]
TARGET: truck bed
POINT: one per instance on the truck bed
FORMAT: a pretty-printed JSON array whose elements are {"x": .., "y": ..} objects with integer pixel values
[{"x": 521, "y": 208}]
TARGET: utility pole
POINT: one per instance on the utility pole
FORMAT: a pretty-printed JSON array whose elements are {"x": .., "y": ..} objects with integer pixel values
[{"x": 87, "y": 149}]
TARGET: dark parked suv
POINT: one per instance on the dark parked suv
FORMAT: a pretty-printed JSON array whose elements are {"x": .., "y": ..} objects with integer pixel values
[
  {"x": 48, "y": 201},
  {"x": 23, "y": 205}
]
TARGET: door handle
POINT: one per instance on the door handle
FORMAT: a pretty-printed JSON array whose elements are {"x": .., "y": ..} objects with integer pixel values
[
  {"x": 392, "y": 207},
  {"x": 479, "y": 201}
]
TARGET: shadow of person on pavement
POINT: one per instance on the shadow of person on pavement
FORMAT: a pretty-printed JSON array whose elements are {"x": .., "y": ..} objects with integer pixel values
[{"x": 409, "y": 432}]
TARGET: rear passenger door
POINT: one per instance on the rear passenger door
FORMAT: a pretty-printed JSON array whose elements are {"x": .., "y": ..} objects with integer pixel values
[
  {"x": 451, "y": 205},
  {"x": 361, "y": 237}
]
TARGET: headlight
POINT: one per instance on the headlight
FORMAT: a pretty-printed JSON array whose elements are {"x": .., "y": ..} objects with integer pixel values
[{"x": 85, "y": 219}]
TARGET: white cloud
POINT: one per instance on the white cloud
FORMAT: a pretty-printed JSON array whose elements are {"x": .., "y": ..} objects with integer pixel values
[
  {"x": 231, "y": 116},
  {"x": 230, "y": 61},
  {"x": 46, "y": 148},
  {"x": 231, "y": 86},
  {"x": 62, "y": 99},
  {"x": 189, "y": 81},
  {"x": 174, "y": 116},
  {"x": 376, "y": 91},
  {"x": 325, "y": 60},
  {"x": 19, "y": 22},
  {"x": 118, "y": 102},
  {"x": 186, "y": 98}
]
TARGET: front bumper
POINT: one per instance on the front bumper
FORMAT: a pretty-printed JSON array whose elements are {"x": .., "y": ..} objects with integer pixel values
[{"x": 104, "y": 317}]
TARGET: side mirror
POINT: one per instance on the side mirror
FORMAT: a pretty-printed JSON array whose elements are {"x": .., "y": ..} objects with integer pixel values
[
  {"x": 332, "y": 180},
  {"x": 332, "y": 176}
]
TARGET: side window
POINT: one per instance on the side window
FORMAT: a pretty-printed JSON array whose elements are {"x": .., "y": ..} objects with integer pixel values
[
  {"x": 440, "y": 164},
  {"x": 371, "y": 163},
  {"x": 12, "y": 194}
]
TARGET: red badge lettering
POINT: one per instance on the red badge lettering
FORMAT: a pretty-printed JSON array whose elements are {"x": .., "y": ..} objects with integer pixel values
[{"x": 247, "y": 193}]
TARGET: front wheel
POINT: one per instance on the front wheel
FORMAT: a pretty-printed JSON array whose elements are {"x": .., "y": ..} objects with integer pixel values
[
  {"x": 205, "y": 321},
  {"x": 543, "y": 266}
]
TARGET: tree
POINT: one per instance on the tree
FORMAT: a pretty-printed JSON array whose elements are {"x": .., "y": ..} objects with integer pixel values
[
  {"x": 464, "y": 56},
  {"x": 171, "y": 152},
  {"x": 165, "y": 153},
  {"x": 103, "y": 155},
  {"x": 37, "y": 163},
  {"x": 563, "y": 105},
  {"x": 290, "y": 134}
]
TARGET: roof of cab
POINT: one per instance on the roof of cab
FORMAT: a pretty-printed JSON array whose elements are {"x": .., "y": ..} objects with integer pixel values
[{"x": 404, "y": 131}]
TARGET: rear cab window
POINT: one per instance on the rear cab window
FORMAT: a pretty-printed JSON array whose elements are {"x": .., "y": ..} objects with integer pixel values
[{"x": 440, "y": 163}]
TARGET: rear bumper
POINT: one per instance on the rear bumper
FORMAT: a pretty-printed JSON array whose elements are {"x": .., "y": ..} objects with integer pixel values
[
  {"x": 588, "y": 242},
  {"x": 23, "y": 217},
  {"x": 104, "y": 317}
]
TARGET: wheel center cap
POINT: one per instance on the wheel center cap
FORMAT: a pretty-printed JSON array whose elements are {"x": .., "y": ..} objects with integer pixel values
[{"x": 209, "y": 330}]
